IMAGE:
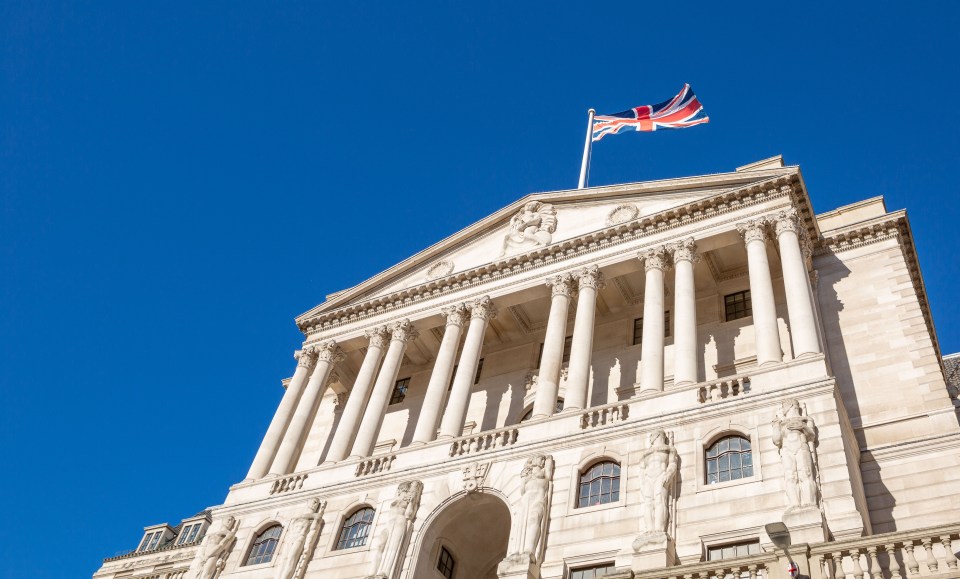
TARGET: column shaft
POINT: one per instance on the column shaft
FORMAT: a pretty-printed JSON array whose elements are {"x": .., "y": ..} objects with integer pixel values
[
  {"x": 548, "y": 380},
  {"x": 578, "y": 379},
  {"x": 651, "y": 350},
  {"x": 796, "y": 283},
  {"x": 328, "y": 354},
  {"x": 452, "y": 425},
  {"x": 761, "y": 294},
  {"x": 281, "y": 418},
  {"x": 432, "y": 407},
  {"x": 357, "y": 400},
  {"x": 380, "y": 398},
  {"x": 686, "y": 361}
]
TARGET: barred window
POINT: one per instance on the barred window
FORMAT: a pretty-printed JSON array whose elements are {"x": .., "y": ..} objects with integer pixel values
[
  {"x": 399, "y": 391},
  {"x": 446, "y": 563},
  {"x": 591, "y": 572},
  {"x": 355, "y": 529},
  {"x": 264, "y": 546},
  {"x": 600, "y": 484},
  {"x": 730, "y": 458},
  {"x": 738, "y": 305}
]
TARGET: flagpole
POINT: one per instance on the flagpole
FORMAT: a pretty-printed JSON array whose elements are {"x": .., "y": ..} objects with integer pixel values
[{"x": 585, "y": 164}]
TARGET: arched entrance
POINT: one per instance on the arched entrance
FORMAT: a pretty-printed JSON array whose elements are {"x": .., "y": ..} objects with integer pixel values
[{"x": 474, "y": 529}]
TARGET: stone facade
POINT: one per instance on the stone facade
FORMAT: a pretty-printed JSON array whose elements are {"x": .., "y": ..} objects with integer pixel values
[{"x": 751, "y": 386}]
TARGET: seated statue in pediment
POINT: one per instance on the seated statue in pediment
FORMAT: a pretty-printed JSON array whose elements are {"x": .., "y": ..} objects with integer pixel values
[{"x": 531, "y": 227}]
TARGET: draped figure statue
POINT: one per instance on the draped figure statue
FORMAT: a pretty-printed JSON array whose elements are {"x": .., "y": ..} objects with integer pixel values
[
  {"x": 795, "y": 435},
  {"x": 300, "y": 541},
  {"x": 213, "y": 553},
  {"x": 399, "y": 522}
]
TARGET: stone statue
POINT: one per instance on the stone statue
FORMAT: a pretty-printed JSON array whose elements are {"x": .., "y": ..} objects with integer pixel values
[
  {"x": 658, "y": 472},
  {"x": 399, "y": 523},
  {"x": 532, "y": 227},
  {"x": 795, "y": 435},
  {"x": 536, "y": 478},
  {"x": 212, "y": 555},
  {"x": 300, "y": 541}
]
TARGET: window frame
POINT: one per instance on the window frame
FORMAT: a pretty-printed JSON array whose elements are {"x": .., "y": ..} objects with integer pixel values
[
  {"x": 453, "y": 562},
  {"x": 262, "y": 530},
  {"x": 610, "y": 566},
  {"x": 738, "y": 543},
  {"x": 189, "y": 528},
  {"x": 748, "y": 311},
  {"x": 335, "y": 548},
  {"x": 714, "y": 435},
  {"x": 581, "y": 472},
  {"x": 476, "y": 377},
  {"x": 401, "y": 386},
  {"x": 730, "y": 451},
  {"x": 151, "y": 537},
  {"x": 638, "y": 325}
]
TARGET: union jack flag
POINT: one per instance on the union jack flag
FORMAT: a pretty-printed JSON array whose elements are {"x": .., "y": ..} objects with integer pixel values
[{"x": 680, "y": 112}]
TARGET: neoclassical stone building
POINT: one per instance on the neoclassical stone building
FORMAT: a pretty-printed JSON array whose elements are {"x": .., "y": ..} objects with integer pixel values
[{"x": 695, "y": 378}]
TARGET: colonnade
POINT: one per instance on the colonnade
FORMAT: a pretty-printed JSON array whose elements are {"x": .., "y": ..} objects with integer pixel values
[{"x": 364, "y": 411}]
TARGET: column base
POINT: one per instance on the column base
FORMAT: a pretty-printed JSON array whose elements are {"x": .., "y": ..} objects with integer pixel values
[
  {"x": 805, "y": 525},
  {"x": 652, "y": 550},
  {"x": 519, "y": 566}
]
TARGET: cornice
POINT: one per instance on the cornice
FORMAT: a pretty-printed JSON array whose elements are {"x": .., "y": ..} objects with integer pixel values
[{"x": 750, "y": 195}]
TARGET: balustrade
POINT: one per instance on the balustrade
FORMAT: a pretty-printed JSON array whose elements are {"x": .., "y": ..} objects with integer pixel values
[
  {"x": 288, "y": 483},
  {"x": 899, "y": 555},
  {"x": 604, "y": 415},
  {"x": 723, "y": 389},
  {"x": 484, "y": 441},
  {"x": 375, "y": 464}
]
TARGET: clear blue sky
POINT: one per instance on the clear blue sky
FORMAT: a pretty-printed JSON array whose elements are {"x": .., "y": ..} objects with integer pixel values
[{"x": 178, "y": 181}]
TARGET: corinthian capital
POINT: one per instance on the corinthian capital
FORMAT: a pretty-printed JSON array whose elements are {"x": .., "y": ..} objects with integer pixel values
[
  {"x": 590, "y": 277},
  {"x": 483, "y": 308},
  {"x": 456, "y": 315},
  {"x": 562, "y": 285},
  {"x": 656, "y": 258},
  {"x": 686, "y": 250},
  {"x": 329, "y": 352},
  {"x": 788, "y": 220},
  {"x": 403, "y": 331},
  {"x": 379, "y": 337},
  {"x": 306, "y": 358},
  {"x": 753, "y": 230}
]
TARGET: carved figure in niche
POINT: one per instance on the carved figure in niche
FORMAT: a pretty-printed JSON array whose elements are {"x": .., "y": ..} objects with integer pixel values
[
  {"x": 213, "y": 553},
  {"x": 795, "y": 435},
  {"x": 300, "y": 541},
  {"x": 399, "y": 523},
  {"x": 536, "y": 478},
  {"x": 658, "y": 471},
  {"x": 532, "y": 227}
]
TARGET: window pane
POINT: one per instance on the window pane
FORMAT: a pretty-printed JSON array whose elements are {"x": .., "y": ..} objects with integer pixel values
[
  {"x": 712, "y": 478},
  {"x": 735, "y": 443},
  {"x": 747, "y": 459},
  {"x": 712, "y": 465},
  {"x": 724, "y": 445},
  {"x": 747, "y": 471},
  {"x": 735, "y": 460},
  {"x": 724, "y": 475},
  {"x": 725, "y": 462}
]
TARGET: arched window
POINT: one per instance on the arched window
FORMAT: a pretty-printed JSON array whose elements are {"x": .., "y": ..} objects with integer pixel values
[
  {"x": 264, "y": 546},
  {"x": 355, "y": 529},
  {"x": 599, "y": 484},
  {"x": 729, "y": 458},
  {"x": 529, "y": 413}
]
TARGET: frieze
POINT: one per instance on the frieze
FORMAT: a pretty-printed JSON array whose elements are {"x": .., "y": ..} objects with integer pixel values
[{"x": 588, "y": 243}]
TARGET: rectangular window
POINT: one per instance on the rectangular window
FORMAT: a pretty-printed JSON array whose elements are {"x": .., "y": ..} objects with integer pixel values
[
  {"x": 733, "y": 550},
  {"x": 399, "y": 391},
  {"x": 737, "y": 305},
  {"x": 638, "y": 328},
  {"x": 591, "y": 572},
  {"x": 540, "y": 355},
  {"x": 567, "y": 346},
  {"x": 446, "y": 563},
  {"x": 150, "y": 541},
  {"x": 476, "y": 378},
  {"x": 453, "y": 376},
  {"x": 189, "y": 533}
]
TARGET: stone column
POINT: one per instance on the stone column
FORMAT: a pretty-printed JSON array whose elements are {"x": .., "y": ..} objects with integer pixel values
[
  {"x": 359, "y": 394},
  {"x": 655, "y": 261},
  {"x": 548, "y": 380},
  {"x": 401, "y": 333},
  {"x": 328, "y": 354},
  {"x": 278, "y": 426},
  {"x": 796, "y": 282},
  {"x": 686, "y": 361},
  {"x": 761, "y": 293},
  {"x": 481, "y": 311},
  {"x": 432, "y": 407},
  {"x": 578, "y": 379}
]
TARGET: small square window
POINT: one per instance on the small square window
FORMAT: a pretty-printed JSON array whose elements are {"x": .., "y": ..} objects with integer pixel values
[
  {"x": 399, "y": 391},
  {"x": 737, "y": 305},
  {"x": 446, "y": 563}
]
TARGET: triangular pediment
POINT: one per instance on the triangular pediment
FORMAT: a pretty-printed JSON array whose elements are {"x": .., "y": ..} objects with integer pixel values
[{"x": 542, "y": 219}]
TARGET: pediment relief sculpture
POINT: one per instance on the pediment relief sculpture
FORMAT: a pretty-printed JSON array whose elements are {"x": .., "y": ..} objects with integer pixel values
[
  {"x": 532, "y": 227},
  {"x": 440, "y": 269},
  {"x": 622, "y": 214}
]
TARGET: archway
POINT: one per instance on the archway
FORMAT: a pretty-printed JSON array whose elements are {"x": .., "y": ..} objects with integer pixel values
[{"x": 474, "y": 529}]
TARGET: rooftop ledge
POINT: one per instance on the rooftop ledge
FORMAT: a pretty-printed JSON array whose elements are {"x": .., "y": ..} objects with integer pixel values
[{"x": 575, "y": 426}]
